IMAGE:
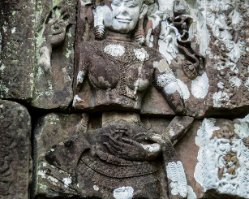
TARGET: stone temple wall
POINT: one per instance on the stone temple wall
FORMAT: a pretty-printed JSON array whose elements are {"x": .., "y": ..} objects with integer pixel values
[{"x": 92, "y": 106}]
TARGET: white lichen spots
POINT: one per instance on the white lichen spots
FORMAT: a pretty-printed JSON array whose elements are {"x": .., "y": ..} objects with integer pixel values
[
  {"x": 86, "y": 2},
  {"x": 80, "y": 77},
  {"x": 96, "y": 188},
  {"x": 232, "y": 66},
  {"x": 242, "y": 127},
  {"x": 162, "y": 66},
  {"x": 43, "y": 188},
  {"x": 13, "y": 13},
  {"x": 200, "y": 86},
  {"x": 151, "y": 148},
  {"x": 140, "y": 85},
  {"x": 44, "y": 164},
  {"x": 221, "y": 18},
  {"x": 67, "y": 181},
  {"x": 167, "y": 42},
  {"x": 212, "y": 153},
  {"x": 123, "y": 193},
  {"x": 44, "y": 59},
  {"x": 56, "y": 2},
  {"x": 173, "y": 85},
  {"x": 115, "y": 50},
  {"x": 41, "y": 173},
  {"x": 2, "y": 67},
  {"x": 40, "y": 39},
  {"x": 191, "y": 193},
  {"x": 68, "y": 53},
  {"x": 166, "y": 7},
  {"x": 205, "y": 132},
  {"x": 141, "y": 54},
  {"x": 52, "y": 180},
  {"x": 247, "y": 83},
  {"x": 236, "y": 51},
  {"x": 4, "y": 28},
  {"x": 165, "y": 79},
  {"x": 13, "y": 30},
  {"x": 171, "y": 132},
  {"x": 76, "y": 99},
  {"x": 183, "y": 90},
  {"x": 235, "y": 82},
  {"x": 220, "y": 85},
  {"x": 176, "y": 174},
  {"x": 220, "y": 98}
]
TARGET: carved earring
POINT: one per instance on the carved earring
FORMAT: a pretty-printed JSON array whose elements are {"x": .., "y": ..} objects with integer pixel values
[
  {"x": 140, "y": 34},
  {"x": 99, "y": 27},
  {"x": 99, "y": 31}
]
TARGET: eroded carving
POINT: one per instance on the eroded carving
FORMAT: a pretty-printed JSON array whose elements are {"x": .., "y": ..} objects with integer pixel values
[
  {"x": 121, "y": 154},
  {"x": 221, "y": 160},
  {"x": 14, "y": 150},
  {"x": 54, "y": 32},
  {"x": 121, "y": 158}
]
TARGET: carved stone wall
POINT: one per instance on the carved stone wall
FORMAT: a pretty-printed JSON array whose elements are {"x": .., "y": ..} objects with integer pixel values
[
  {"x": 15, "y": 150},
  {"x": 124, "y": 99}
]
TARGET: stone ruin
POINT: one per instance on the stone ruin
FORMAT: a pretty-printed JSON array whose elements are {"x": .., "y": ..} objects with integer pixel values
[{"x": 124, "y": 99}]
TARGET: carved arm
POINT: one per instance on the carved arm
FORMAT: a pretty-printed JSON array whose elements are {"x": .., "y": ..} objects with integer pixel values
[
  {"x": 168, "y": 84},
  {"x": 54, "y": 32}
]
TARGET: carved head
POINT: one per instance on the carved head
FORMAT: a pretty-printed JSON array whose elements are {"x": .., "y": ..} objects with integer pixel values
[
  {"x": 121, "y": 16},
  {"x": 125, "y": 15}
]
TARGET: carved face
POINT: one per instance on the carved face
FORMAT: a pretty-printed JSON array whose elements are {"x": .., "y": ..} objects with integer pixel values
[{"x": 125, "y": 15}]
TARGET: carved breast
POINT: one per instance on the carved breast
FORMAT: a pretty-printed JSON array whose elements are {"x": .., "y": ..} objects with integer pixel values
[{"x": 115, "y": 65}]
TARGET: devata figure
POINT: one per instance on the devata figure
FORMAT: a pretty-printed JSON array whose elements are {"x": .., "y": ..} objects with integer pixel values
[{"x": 122, "y": 159}]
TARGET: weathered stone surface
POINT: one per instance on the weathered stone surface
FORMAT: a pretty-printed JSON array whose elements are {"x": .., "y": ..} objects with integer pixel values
[
  {"x": 217, "y": 164},
  {"x": 227, "y": 50},
  {"x": 17, "y": 49},
  {"x": 15, "y": 151},
  {"x": 220, "y": 30},
  {"x": 55, "y": 29},
  {"x": 50, "y": 130},
  {"x": 211, "y": 65},
  {"x": 155, "y": 104}
]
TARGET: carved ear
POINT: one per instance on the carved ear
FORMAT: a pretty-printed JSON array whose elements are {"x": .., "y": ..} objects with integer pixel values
[{"x": 143, "y": 11}]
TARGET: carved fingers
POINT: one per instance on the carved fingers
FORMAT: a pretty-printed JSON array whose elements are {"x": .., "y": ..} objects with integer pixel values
[{"x": 120, "y": 145}]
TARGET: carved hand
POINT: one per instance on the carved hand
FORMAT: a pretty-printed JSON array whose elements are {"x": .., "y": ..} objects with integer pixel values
[
  {"x": 127, "y": 148},
  {"x": 54, "y": 33},
  {"x": 55, "y": 30}
]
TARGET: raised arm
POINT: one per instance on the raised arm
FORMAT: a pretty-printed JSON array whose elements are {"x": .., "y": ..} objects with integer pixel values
[
  {"x": 166, "y": 82},
  {"x": 82, "y": 63}
]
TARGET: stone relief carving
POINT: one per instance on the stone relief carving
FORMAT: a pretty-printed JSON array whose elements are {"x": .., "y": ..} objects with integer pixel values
[
  {"x": 112, "y": 87},
  {"x": 113, "y": 160},
  {"x": 54, "y": 32},
  {"x": 224, "y": 27},
  {"x": 54, "y": 54},
  {"x": 224, "y": 142}
]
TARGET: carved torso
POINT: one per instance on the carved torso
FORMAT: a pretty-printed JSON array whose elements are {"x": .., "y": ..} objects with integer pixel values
[{"x": 118, "y": 72}]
